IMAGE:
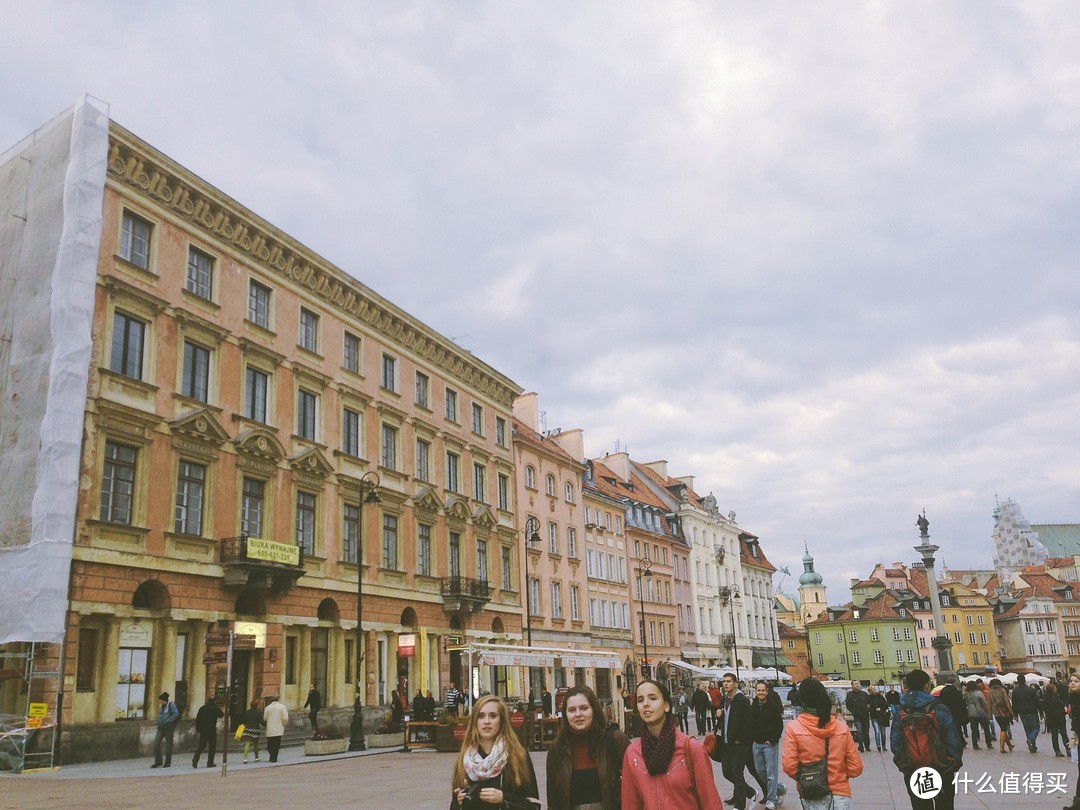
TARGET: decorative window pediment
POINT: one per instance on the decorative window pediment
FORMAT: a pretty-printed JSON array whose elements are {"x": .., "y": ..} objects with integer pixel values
[
  {"x": 261, "y": 444},
  {"x": 311, "y": 461},
  {"x": 425, "y": 498}
]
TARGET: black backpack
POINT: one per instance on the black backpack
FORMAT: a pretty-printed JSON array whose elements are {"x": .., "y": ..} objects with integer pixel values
[{"x": 813, "y": 777}]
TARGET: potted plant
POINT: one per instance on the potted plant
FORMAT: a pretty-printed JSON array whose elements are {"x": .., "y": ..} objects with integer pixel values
[{"x": 323, "y": 743}]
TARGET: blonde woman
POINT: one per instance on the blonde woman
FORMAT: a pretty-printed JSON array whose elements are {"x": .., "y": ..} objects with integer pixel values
[{"x": 493, "y": 769}]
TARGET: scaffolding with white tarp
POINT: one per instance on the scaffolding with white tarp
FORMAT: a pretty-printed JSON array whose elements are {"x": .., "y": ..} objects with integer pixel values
[{"x": 29, "y": 736}]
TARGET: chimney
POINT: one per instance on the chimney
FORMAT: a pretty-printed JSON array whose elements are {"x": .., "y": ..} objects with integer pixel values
[
  {"x": 618, "y": 463},
  {"x": 573, "y": 442},
  {"x": 527, "y": 410},
  {"x": 658, "y": 467}
]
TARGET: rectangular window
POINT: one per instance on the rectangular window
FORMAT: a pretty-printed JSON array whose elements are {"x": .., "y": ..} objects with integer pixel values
[
  {"x": 571, "y": 543},
  {"x": 309, "y": 330},
  {"x": 873, "y": 634},
  {"x": 899, "y": 656},
  {"x": 556, "y": 600},
  {"x": 86, "y": 669},
  {"x": 200, "y": 273},
  {"x": 575, "y": 599},
  {"x": 305, "y": 522},
  {"x": 820, "y": 660},
  {"x": 553, "y": 538},
  {"x": 507, "y": 569},
  {"x": 477, "y": 419},
  {"x": 135, "y": 240},
  {"x": 504, "y": 491},
  {"x": 853, "y": 636},
  {"x": 423, "y": 460},
  {"x": 389, "y": 543},
  {"x": 255, "y": 397},
  {"x": 350, "y": 432},
  {"x": 878, "y": 657},
  {"x": 350, "y": 357},
  {"x": 251, "y": 507},
  {"x": 907, "y": 633},
  {"x": 118, "y": 483},
  {"x": 911, "y": 656},
  {"x": 259, "y": 304},
  {"x": 452, "y": 462},
  {"x": 423, "y": 389},
  {"x": 306, "y": 414},
  {"x": 451, "y": 405},
  {"x": 479, "y": 488},
  {"x": 482, "y": 560},
  {"x": 290, "y": 659},
  {"x": 132, "y": 677},
  {"x": 350, "y": 532},
  {"x": 388, "y": 450},
  {"x": 196, "y": 381},
  {"x": 454, "y": 554},
  {"x": 855, "y": 657},
  {"x": 128, "y": 343},
  {"x": 534, "y": 596},
  {"x": 190, "y": 491},
  {"x": 350, "y": 659},
  {"x": 423, "y": 549},
  {"x": 389, "y": 373}
]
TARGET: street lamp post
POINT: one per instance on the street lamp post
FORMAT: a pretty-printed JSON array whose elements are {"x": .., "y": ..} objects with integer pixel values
[
  {"x": 729, "y": 594},
  {"x": 941, "y": 642},
  {"x": 532, "y": 536},
  {"x": 370, "y": 482},
  {"x": 643, "y": 570}
]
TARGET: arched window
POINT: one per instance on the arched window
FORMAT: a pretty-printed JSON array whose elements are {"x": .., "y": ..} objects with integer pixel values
[
  {"x": 550, "y": 486},
  {"x": 530, "y": 477},
  {"x": 569, "y": 492}
]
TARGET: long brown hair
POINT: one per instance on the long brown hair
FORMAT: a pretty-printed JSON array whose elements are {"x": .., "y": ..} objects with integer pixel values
[
  {"x": 595, "y": 732},
  {"x": 516, "y": 770}
]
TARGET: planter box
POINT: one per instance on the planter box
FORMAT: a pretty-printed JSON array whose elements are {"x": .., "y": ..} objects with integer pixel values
[
  {"x": 322, "y": 748},
  {"x": 394, "y": 739},
  {"x": 446, "y": 740}
]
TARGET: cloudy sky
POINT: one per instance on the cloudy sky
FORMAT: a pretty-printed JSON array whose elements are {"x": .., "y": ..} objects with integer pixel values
[{"x": 823, "y": 257}]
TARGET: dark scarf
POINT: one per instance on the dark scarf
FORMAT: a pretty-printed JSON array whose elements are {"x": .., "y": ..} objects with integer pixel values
[{"x": 658, "y": 751}]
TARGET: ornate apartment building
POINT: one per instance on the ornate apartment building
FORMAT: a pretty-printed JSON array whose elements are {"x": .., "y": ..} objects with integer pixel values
[{"x": 259, "y": 430}]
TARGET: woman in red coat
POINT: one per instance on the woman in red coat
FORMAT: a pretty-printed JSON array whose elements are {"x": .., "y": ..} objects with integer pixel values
[{"x": 664, "y": 769}]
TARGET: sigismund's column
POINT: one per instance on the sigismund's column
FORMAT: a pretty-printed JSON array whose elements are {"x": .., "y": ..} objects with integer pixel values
[{"x": 941, "y": 643}]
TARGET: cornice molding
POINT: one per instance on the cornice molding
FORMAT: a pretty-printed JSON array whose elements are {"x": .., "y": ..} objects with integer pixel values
[{"x": 141, "y": 170}]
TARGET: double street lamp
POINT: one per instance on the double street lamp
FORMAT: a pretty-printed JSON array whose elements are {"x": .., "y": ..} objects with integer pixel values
[
  {"x": 532, "y": 537},
  {"x": 729, "y": 595},
  {"x": 643, "y": 570},
  {"x": 370, "y": 482}
]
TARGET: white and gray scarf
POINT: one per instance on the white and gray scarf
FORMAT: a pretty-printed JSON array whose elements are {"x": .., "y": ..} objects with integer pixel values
[{"x": 480, "y": 768}]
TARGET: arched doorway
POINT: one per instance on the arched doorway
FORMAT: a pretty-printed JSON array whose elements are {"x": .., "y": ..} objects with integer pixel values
[{"x": 408, "y": 640}]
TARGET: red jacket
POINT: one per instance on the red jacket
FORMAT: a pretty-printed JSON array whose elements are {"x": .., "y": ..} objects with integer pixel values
[
  {"x": 805, "y": 742},
  {"x": 716, "y": 697},
  {"x": 671, "y": 790}
]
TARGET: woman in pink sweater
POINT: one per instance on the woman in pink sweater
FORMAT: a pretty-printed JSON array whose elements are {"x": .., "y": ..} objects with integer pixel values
[{"x": 664, "y": 769}]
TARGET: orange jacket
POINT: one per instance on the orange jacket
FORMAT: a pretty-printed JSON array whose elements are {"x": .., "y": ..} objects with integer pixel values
[{"x": 805, "y": 742}]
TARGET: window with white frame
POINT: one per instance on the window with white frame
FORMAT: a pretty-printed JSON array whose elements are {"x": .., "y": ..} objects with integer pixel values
[
  {"x": 553, "y": 538},
  {"x": 556, "y": 600},
  {"x": 423, "y": 549},
  {"x": 479, "y": 483},
  {"x": 190, "y": 497},
  {"x": 390, "y": 542},
  {"x": 550, "y": 485},
  {"x": 200, "y": 273},
  {"x": 135, "y": 240},
  {"x": 259, "y": 304}
]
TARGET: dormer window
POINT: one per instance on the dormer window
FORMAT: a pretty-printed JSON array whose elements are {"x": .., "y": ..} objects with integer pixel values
[{"x": 902, "y": 613}]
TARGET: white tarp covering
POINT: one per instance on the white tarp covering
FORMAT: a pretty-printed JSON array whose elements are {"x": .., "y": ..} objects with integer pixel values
[{"x": 51, "y": 191}]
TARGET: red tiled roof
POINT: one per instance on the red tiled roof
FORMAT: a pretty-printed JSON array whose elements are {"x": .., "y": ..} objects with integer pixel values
[{"x": 549, "y": 445}]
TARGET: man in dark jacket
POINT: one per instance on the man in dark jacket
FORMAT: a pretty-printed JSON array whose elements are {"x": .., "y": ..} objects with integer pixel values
[
  {"x": 917, "y": 698},
  {"x": 206, "y": 727},
  {"x": 313, "y": 704},
  {"x": 701, "y": 705},
  {"x": 1026, "y": 705},
  {"x": 952, "y": 697},
  {"x": 767, "y": 722},
  {"x": 858, "y": 703},
  {"x": 733, "y": 727}
]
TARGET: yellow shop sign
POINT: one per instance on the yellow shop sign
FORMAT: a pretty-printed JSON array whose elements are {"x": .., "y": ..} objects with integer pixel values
[{"x": 272, "y": 552}]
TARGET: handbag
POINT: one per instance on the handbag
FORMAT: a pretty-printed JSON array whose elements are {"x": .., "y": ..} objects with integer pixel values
[
  {"x": 239, "y": 732},
  {"x": 813, "y": 777}
]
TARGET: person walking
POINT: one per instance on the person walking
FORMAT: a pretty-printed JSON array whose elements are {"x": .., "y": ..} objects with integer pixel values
[
  {"x": 879, "y": 716},
  {"x": 716, "y": 700},
  {"x": 167, "y": 718},
  {"x": 664, "y": 769},
  {"x": 978, "y": 716},
  {"x": 276, "y": 718},
  {"x": 206, "y": 727},
  {"x": 857, "y": 702},
  {"x": 736, "y": 739},
  {"x": 1001, "y": 708},
  {"x": 818, "y": 733},
  {"x": 682, "y": 710},
  {"x": 492, "y": 768},
  {"x": 1025, "y": 705},
  {"x": 948, "y": 693},
  {"x": 397, "y": 710},
  {"x": 584, "y": 764},
  {"x": 313, "y": 704},
  {"x": 917, "y": 700},
  {"x": 702, "y": 706},
  {"x": 1054, "y": 712},
  {"x": 253, "y": 720},
  {"x": 1074, "y": 739},
  {"x": 429, "y": 706},
  {"x": 767, "y": 723},
  {"x": 451, "y": 700}
]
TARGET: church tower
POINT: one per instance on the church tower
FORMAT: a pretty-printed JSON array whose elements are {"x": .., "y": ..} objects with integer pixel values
[{"x": 811, "y": 590}]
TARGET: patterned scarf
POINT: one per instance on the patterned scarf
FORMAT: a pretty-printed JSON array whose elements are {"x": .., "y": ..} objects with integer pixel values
[
  {"x": 480, "y": 768},
  {"x": 658, "y": 751}
]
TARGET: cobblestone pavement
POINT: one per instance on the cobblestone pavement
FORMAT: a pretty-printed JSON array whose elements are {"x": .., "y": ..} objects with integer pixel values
[{"x": 388, "y": 778}]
